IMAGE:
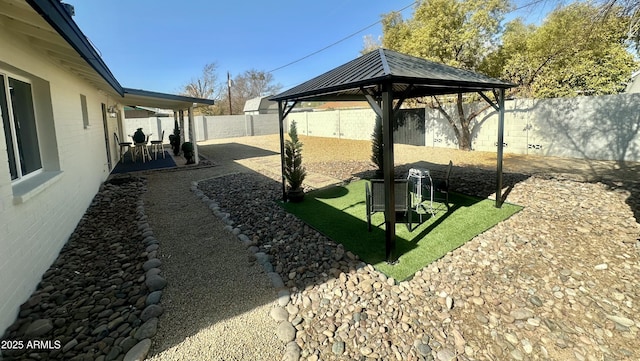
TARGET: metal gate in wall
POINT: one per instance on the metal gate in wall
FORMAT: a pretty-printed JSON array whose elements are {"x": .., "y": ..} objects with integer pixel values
[{"x": 409, "y": 127}]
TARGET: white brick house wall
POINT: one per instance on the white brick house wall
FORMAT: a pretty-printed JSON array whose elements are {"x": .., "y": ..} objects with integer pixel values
[{"x": 38, "y": 215}]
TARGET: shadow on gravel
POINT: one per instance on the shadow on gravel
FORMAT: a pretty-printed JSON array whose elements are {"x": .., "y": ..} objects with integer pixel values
[
  {"x": 471, "y": 181},
  {"x": 232, "y": 151}
]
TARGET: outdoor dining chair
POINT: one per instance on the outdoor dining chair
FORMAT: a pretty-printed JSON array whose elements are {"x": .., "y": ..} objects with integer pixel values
[
  {"x": 123, "y": 146},
  {"x": 157, "y": 146},
  {"x": 441, "y": 186},
  {"x": 142, "y": 149},
  {"x": 375, "y": 199}
]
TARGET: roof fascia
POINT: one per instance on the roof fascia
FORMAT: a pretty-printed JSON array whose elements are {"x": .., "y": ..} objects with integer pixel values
[
  {"x": 165, "y": 96},
  {"x": 55, "y": 14}
]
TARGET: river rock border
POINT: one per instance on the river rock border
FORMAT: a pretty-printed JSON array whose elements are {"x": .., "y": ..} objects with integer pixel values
[{"x": 100, "y": 300}]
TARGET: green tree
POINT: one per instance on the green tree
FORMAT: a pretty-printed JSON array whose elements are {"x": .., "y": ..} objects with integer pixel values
[
  {"x": 377, "y": 146},
  {"x": 573, "y": 52},
  {"x": 294, "y": 172},
  {"x": 459, "y": 33}
]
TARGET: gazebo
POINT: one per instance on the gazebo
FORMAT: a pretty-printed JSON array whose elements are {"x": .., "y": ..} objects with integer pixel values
[{"x": 382, "y": 77}]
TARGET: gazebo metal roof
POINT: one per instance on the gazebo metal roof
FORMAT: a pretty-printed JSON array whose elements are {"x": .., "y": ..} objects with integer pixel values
[
  {"x": 382, "y": 77},
  {"x": 411, "y": 77}
]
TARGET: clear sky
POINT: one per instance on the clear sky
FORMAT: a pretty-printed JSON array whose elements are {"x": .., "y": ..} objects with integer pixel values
[{"x": 161, "y": 45}]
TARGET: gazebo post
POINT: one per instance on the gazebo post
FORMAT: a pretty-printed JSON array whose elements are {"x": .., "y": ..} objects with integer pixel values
[
  {"x": 500, "y": 147},
  {"x": 281, "y": 125},
  {"x": 387, "y": 168}
]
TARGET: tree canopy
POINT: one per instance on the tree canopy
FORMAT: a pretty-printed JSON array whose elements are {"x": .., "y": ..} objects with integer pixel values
[
  {"x": 573, "y": 52},
  {"x": 459, "y": 33},
  {"x": 249, "y": 84},
  {"x": 205, "y": 86},
  {"x": 580, "y": 49}
]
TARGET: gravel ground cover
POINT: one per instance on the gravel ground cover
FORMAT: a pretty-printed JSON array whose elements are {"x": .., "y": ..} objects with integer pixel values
[
  {"x": 558, "y": 280},
  {"x": 99, "y": 299}
]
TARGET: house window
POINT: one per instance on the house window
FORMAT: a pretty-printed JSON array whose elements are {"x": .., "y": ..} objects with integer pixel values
[
  {"x": 85, "y": 112},
  {"x": 19, "y": 122}
]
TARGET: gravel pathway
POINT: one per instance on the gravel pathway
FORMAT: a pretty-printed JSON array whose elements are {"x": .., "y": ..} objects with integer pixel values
[{"x": 217, "y": 299}]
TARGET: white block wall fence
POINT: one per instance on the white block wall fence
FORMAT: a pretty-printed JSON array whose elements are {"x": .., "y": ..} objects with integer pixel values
[{"x": 599, "y": 127}]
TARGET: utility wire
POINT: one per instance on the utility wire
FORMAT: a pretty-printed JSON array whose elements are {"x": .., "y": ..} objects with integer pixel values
[
  {"x": 337, "y": 42},
  {"x": 532, "y": 3}
]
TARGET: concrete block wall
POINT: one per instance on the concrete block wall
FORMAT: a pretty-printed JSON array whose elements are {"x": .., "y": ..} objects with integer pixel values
[
  {"x": 207, "y": 127},
  {"x": 356, "y": 123},
  {"x": 222, "y": 126},
  {"x": 262, "y": 124},
  {"x": 153, "y": 126},
  {"x": 602, "y": 127}
]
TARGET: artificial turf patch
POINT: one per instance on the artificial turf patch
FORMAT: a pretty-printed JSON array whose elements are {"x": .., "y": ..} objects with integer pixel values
[{"x": 340, "y": 214}]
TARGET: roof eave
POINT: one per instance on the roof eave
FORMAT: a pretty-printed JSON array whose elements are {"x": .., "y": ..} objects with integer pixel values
[{"x": 55, "y": 14}]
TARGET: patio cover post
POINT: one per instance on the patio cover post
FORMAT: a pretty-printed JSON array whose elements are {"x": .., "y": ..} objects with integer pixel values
[
  {"x": 183, "y": 136},
  {"x": 387, "y": 169},
  {"x": 500, "y": 147},
  {"x": 192, "y": 133},
  {"x": 281, "y": 126}
]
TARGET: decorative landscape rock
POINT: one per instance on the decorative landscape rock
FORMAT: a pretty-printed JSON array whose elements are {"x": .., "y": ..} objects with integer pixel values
[
  {"x": 94, "y": 298},
  {"x": 496, "y": 297},
  {"x": 39, "y": 328},
  {"x": 155, "y": 283},
  {"x": 286, "y": 332}
]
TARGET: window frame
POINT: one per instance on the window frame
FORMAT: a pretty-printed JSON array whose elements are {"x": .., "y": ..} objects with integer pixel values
[
  {"x": 16, "y": 151},
  {"x": 85, "y": 111}
]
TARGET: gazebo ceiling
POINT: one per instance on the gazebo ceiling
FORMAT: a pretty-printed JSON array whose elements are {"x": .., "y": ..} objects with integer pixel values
[{"x": 408, "y": 76}]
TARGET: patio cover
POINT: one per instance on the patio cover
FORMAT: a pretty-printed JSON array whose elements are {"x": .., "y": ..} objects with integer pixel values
[{"x": 382, "y": 77}]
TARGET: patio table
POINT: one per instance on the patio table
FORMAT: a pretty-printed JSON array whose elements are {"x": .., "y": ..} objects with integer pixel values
[{"x": 421, "y": 182}]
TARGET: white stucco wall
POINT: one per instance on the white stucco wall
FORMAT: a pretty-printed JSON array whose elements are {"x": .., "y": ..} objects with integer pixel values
[{"x": 33, "y": 228}]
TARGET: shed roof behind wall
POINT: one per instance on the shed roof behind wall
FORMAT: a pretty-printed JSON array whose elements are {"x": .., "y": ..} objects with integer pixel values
[{"x": 410, "y": 77}]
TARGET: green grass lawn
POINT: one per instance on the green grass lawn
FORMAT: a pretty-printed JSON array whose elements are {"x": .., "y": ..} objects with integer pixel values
[{"x": 339, "y": 213}]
